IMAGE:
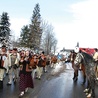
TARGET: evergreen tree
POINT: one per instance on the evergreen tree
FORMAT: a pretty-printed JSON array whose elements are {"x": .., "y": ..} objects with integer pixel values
[
  {"x": 24, "y": 41},
  {"x": 35, "y": 28},
  {"x": 4, "y": 28}
]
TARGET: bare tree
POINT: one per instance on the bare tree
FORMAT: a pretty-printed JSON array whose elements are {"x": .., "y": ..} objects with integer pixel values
[
  {"x": 54, "y": 47},
  {"x": 49, "y": 41}
]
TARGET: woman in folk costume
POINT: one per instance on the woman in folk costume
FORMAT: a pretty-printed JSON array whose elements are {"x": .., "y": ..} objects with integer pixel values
[
  {"x": 25, "y": 80},
  {"x": 3, "y": 64}
]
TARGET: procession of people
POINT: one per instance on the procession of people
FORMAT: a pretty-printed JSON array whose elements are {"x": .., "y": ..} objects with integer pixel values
[{"x": 23, "y": 67}]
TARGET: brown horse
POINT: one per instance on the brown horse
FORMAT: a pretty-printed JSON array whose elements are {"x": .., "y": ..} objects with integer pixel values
[{"x": 81, "y": 68}]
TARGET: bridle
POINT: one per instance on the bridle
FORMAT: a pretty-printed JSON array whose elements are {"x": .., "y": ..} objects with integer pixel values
[{"x": 76, "y": 61}]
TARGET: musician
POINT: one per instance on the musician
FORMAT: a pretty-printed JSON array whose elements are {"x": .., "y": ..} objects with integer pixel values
[
  {"x": 3, "y": 64},
  {"x": 8, "y": 53},
  {"x": 13, "y": 65},
  {"x": 41, "y": 65},
  {"x": 48, "y": 61},
  {"x": 53, "y": 61},
  {"x": 34, "y": 63},
  {"x": 43, "y": 56}
]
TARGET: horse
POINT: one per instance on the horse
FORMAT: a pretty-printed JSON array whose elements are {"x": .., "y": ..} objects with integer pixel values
[
  {"x": 81, "y": 68},
  {"x": 89, "y": 64},
  {"x": 72, "y": 57}
]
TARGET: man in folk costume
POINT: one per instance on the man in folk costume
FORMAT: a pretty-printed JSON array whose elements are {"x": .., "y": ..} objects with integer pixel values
[
  {"x": 35, "y": 58},
  {"x": 3, "y": 64},
  {"x": 58, "y": 58},
  {"x": 17, "y": 61},
  {"x": 33, "y": 64},
  {"x": 43, "y": 57},
  {"x": 48, "y": 59},
  {"x": 53, "y": 61},
  {"x": 41, "y": 65},
  {"x": 8, "y": 53},
  {"x": 13, "y": 65}
]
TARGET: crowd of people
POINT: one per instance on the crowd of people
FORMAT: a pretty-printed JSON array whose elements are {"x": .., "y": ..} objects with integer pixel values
[{"x": 22, "y": 65}]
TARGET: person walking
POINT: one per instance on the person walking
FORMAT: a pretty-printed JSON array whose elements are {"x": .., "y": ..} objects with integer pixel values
[
  {"x": 3, "y": 64},
  {"x": 13, "y": 65},
  {"x": 25, "y": 77}
]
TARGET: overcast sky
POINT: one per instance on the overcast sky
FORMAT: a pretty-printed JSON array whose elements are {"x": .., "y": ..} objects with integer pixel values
[{"x": 73, "y": 20}]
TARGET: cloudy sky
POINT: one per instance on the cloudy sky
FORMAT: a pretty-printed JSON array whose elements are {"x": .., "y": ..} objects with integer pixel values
[{"x": 73, "y": 20}]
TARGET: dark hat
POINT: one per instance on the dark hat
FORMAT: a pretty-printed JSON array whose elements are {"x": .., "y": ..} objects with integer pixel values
[
  {"x": 43, "y": 52},
  {"x": 15, "y": 49},
  {"x": 3, "y": 46},
  {"x": 96, "y": 49}
]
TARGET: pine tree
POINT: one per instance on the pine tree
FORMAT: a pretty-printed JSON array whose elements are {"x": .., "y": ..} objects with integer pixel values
[
  {"x": 35, "y": 28},
  {"x": 4, "y": 28},
  {"x": 24, "y": 41}
]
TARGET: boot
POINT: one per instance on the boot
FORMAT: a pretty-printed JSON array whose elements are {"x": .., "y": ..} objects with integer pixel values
[
  {"x": 74, "y": 76},
  {"x": 1, "y": 84},
  {"x": 93, "y": 93}
]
